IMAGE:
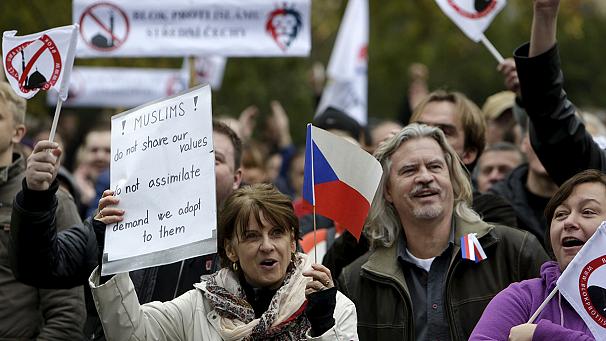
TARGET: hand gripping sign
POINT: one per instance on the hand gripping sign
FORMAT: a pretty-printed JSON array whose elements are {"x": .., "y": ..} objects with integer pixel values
[{"x": 162, "y": 170}]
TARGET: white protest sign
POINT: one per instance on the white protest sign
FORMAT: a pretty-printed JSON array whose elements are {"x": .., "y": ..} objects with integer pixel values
[
  {"x": 120, "y": 87},
  {"x": 162, "y": 170},
  {"x": 124, "y": 28}
]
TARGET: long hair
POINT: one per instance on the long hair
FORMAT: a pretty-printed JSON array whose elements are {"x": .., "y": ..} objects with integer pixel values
[{"x": 383, "y": 224}]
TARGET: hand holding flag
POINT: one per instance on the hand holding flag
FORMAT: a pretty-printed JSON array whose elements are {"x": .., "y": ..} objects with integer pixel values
[
  {"x": 473, "y": 18},
  {"x": 40, "y": 61},
  {"x": 583, "y": 284}
]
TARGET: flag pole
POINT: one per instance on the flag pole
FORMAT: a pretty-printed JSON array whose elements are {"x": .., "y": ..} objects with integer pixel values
[
  {"x": 51, "y": 136},
  {"x": 491, "y": 48},
  {"x": 540, "y": 308},
  {"x": 313, "y": 189},
  {"x": 192, "y": 71}
]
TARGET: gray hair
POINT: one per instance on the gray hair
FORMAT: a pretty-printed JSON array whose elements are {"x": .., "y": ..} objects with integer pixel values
[{"x": 383, "y": 224}]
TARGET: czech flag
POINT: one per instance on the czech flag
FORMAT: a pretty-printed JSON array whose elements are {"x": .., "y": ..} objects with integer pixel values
[
  {"x": 471, "y": 248},
  {"x": 340, "y": 179}
]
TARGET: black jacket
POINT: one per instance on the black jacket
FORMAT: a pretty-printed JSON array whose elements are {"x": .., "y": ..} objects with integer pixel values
[
  {"x": 557, "y": 135},
  {"x": 44, "y": 258},
  {"x": 346, "y": 249},
  {"x": 513, "y": 189}
]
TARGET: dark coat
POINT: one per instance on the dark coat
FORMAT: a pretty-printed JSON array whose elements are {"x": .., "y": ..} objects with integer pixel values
[
  {"x": 27, "y": 312},
  {"x": 375, "y": 282},
  {"x": 513, "y": 189},
  {"x": 346, "y": 248},
  {"x": 557, "y": 135},
  {"x": 42, "y": 257}
]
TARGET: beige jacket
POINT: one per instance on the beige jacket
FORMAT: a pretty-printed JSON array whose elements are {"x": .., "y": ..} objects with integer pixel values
[{"x": 186, "y": 318}]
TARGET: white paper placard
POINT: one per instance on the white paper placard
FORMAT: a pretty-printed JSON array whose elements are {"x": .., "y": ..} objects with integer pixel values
[
  {"x": 154, "y": 28},
  {"x": 162, "y": 170}
]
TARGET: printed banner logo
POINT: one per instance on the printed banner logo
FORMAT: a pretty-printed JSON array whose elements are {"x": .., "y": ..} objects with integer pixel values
[
  {"x": 104, "y": 26},
  {"x": 35, "y": 64},
  {"x": 592, "y": 294},
  {"x": 284, "y": 24},
  {"x": 473, "y": 9}
]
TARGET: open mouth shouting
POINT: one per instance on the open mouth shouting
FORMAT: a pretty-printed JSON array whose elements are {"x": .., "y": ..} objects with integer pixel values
[
  {"x": 268, "y": 264},
  {"x": 571, "y": 245}
]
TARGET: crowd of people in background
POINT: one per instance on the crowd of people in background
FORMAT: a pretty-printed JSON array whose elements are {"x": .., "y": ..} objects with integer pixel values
[{"x": 503, "y": 171}]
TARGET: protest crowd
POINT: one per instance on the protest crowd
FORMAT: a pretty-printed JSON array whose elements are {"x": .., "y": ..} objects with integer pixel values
[{"x": 454, "y": 221}]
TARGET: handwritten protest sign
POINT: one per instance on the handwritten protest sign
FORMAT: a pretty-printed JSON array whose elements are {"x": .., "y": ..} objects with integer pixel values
[
  {"x": 125, "y": 28},
  {"x": 162, "y": 170}
]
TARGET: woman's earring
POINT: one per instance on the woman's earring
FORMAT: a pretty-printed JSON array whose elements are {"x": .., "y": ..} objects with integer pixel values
[{"x": 234, "y": 266}]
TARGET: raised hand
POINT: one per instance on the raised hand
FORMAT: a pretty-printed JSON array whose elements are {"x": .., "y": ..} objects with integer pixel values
[
  {"x": 321, "y": 279},
  {"x": 510, "y": 74},
  {"x": 42, "y": 165}
]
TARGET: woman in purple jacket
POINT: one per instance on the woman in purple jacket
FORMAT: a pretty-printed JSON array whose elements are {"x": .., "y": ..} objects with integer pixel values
[{"x": 575, "y": 212}]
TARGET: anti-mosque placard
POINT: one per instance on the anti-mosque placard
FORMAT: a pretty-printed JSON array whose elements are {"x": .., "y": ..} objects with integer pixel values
[
  {"x": 162, "y": 170},
  {"x": 146, "y": 28}
]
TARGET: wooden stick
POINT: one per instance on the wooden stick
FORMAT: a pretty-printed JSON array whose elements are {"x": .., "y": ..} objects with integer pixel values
[
  {"x": 492, "y": 49},
  {"x": 51, "y": 136},
  {"x": 542, "y": 306}
]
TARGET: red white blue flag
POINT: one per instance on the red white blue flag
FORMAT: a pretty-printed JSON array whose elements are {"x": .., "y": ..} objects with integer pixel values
[
  {"x": 471, "y": 248},
  {"x": 340, "y": 179}
]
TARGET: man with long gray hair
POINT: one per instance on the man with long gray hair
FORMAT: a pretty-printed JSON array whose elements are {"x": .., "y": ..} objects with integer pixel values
[{"x": 417, "y": 283}]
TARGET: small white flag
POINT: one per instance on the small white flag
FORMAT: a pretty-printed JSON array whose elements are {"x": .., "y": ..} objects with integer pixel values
[
  {"x": 39, "y": 61},
  {"x": 472, "y": 16},
  {"x": 210, "y": 69},
  {"x": 583, "y": 283},
  {"x": 347, "y": 88}
]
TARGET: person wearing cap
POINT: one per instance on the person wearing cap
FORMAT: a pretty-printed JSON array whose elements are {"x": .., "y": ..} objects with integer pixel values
[{"x": 501, "y": 125}]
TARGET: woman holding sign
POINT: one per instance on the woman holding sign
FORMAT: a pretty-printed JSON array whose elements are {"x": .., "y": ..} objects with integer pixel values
[
  {"x": 575, "y": 212},
  {"x": 266, "y": 290}
]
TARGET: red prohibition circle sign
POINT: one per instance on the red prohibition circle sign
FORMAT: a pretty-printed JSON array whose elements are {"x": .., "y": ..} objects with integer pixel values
[
  {"x": 473, "y": 15},
  {"x": 47, "y": 45},
  {"x": 106, "y": 39},
  {"x": 586, "y": 297}
]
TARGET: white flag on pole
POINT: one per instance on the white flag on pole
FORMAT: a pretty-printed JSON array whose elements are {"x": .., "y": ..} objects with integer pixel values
[
  {"x": 583, "y": 283},
  {"x": 472, "y": 16},
  {"x": 347, "y": 88},
  {"x": 210, "y": 69},
  {"x": 39, "y": 61}
]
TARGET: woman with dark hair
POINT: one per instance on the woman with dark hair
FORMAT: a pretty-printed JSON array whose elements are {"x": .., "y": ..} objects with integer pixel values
[
  {"x": 265, "y": 291},
  {"x": 574, "y": 212}
]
